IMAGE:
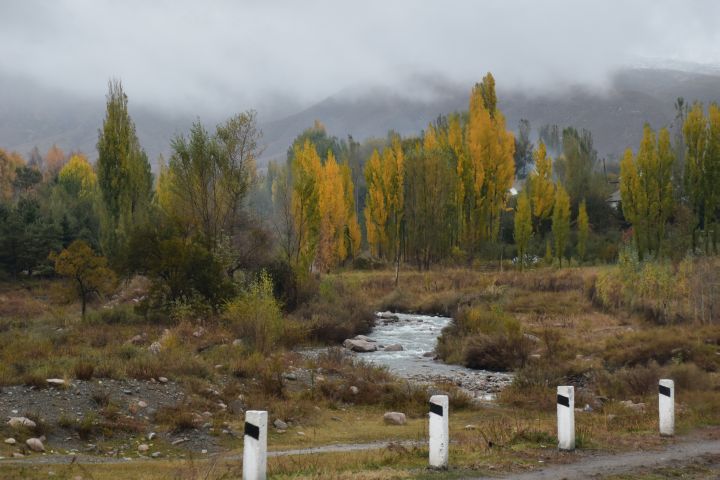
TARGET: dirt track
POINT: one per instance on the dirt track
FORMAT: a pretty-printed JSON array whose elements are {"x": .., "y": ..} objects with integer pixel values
[{"x": 702, "y": 446}]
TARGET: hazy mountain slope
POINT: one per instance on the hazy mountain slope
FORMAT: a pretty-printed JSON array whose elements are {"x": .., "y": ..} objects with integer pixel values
[
  {"x": 615, "y": 115},
  {"x": 32, "y": 115}
]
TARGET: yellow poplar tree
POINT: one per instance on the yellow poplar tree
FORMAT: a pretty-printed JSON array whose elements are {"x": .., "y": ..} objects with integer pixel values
[
  {"x": 306, "y": 173},
  {"x": 542, "y": 188},
  {"x": 376, "y": 208},
  {"x": 332, "y": 247},
  {"x": 583, "y": 223},
  {"x": 491, "y": 149},
  {"x": 352, "y": 235}
]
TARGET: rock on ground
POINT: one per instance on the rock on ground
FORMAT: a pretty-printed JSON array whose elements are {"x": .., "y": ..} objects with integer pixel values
[
  {"x": 395, "y": 418},
  {"x": 17, "y": 422},
  {"x": 35, "y": 444},
  {"x": 279, "y": 424}
]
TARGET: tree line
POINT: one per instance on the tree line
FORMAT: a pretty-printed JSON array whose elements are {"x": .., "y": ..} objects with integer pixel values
[{"x": 465, "y": 189}]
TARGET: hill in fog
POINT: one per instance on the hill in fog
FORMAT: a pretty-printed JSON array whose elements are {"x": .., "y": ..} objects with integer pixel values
[{"x": 34, "y": 115}]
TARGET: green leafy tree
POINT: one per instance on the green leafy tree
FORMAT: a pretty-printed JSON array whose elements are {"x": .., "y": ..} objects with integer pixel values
[
  {"x": 561, "y": 221},
  {"x": 523, "y": 227},
  {"x": 647, "y": 191},
  {"x": 88, "y": 272},
  {"x": 123, "y": 172}
]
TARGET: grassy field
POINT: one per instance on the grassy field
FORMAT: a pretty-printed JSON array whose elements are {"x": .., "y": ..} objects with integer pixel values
[{"x": 549, "y": 326}]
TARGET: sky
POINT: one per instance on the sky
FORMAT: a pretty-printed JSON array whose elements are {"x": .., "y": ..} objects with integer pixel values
[{"x": 276, "y": 56}]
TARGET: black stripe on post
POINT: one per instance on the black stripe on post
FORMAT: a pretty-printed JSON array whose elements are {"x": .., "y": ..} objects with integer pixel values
[
  {"x": 664, "y": 390},
  {"x": 436, "y": 409},
  {"x": 252, "y": 430},
  {"x": 563, "y": 400}
]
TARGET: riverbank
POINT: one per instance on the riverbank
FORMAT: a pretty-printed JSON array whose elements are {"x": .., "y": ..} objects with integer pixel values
[{"x": 613, "y": 357}]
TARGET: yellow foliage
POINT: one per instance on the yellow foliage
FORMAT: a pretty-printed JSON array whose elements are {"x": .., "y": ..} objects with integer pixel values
[{"x": 542, "y": 187}]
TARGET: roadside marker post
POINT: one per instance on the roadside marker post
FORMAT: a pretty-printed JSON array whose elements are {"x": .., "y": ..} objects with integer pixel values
[
  {"x": 666, "y": 407},
  {"x": 439, "y": 431},
  {"x": 566, "y": 417},
  {"x": 255, "y": 445}
]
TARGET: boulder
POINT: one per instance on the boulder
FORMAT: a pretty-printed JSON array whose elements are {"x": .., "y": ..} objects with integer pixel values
[
  {"x": 363, "y": 338},
  {"x": 136, "y": 340},
  {"x": 394, "y": 348},
  {"x": 17, "y": 422},
  {"x": 359, "y": 345},
  {"x": 387, "y": 315},
  {"x": 162, "y": 379},
  {"x": 143, "y": 447},
  {"x": 55, "y": 382},
  {"x": 10, "y": 441},
  {"x": 35, "y": 444},
  {"x": 280, "y": 425},
  {"x": 155, "y": 348},
  {"x": 354, "y": 390},
  {"x": 395, "y": 418}
]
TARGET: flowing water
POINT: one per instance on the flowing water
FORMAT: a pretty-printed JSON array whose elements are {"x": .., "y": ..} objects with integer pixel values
[{"x": 418, "y": 336}]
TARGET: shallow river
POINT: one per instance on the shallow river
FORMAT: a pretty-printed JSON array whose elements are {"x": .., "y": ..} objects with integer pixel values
[{"x": 418, "y": 335}]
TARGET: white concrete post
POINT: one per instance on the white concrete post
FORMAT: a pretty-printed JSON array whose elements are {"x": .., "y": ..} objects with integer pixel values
[
  {"x": 666, "y": 407},
  {"x": 566, "y": 417},
  {"x": 439, "y": 431},
  {"x": 255, "y": 445}
]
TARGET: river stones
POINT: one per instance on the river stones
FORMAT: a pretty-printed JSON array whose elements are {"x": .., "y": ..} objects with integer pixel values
[
  {"x": 361, "y": 346},
  {"x": 17, "y": 422}
]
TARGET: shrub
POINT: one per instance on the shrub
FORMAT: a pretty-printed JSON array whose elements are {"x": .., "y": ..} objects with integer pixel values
[
  {"x": 256, "y": 316},
  {"x": 335, "y": 313},
  {"x": 485, "y": 338}
]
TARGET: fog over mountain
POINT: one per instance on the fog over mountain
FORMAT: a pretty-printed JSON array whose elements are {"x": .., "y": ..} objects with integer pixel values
[{"x": 360, "y": 68}]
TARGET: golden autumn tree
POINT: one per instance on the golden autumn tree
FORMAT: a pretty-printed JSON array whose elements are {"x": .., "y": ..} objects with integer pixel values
[
  {"x": 376, "y": 208},
  {"x": 352, "y": 235},
  {"x": 456, "y": 142},
  {"x": 491, "y": 148},
  {"x": 333, "y": 212},
  {"x": 583, "y": 225},
  {"x": 54, "y": 161},
  {"x": 9, "y": 163},
  {"x": 77, "y": 177},
  {"x": 88, "y": 272},
  {"x": 306, "y": 177},
  {"x": 542, "y": 188}
]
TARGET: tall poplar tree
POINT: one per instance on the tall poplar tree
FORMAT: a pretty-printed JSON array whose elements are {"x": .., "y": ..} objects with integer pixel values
[
  {"x": 123, "y": 171},
  {"x": 583, "y": 225},
  {"x": 646, "y": 190},
  {"x": 523, "y": 227},
  {"x": 561, "y": 221},
  {"x": 542, "y": 188}
]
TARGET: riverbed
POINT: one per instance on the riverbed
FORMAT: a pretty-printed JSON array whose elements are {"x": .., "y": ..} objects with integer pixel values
[{"x": 418, "y": 336}]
